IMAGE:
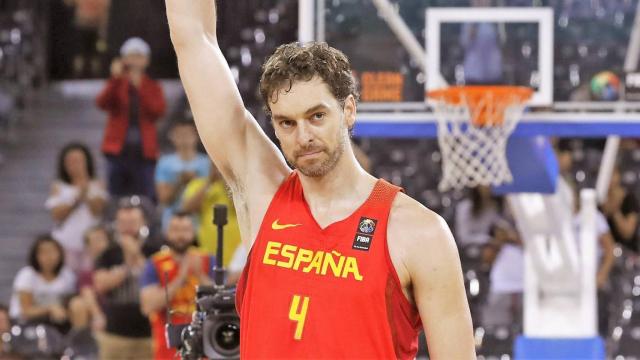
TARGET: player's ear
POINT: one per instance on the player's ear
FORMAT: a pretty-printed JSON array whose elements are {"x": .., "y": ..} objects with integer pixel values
[{"x": 349, "y": 111}]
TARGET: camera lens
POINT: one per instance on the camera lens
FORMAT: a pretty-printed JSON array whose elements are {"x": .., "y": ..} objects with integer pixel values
[{"x": 226, "y": 338}]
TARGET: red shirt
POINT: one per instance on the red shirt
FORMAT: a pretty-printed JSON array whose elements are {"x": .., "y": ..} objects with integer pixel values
[
  {"x": 308, "y": 292},
  {"x": 183, "y": 303},
  {"x": 114, "y": 99}
]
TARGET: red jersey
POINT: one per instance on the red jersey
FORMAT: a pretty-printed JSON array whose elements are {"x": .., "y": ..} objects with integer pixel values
[{"x": 308, "y": 292}]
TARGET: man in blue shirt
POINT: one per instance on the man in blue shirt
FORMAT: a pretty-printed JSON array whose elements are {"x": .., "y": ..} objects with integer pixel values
[{"x": 175, "y": 170}]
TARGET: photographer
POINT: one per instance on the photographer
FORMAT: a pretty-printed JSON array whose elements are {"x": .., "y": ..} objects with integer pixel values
[
  {"x": 134, "y": 102},
  {"x": 176, "y": 270},
  {"x": 117, "y": 276}
]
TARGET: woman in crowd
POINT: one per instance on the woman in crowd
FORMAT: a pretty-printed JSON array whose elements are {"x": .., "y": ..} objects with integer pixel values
[
  {"x": 42, "y": 289},
  {"x": 77, "y": 200},
  {"x": 621, "y": 211},
  {"x": 475, "y": 216}
]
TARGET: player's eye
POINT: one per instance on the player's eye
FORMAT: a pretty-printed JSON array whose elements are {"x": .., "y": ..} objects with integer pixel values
[
  {"x": 286, "y": 124},
  {"x": 319, "y": 116}
]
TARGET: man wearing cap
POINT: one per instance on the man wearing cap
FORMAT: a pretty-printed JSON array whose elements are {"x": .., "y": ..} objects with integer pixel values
[{"x": 134, "y": 103}]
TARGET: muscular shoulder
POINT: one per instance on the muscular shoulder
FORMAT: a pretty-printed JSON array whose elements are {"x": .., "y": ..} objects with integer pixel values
[
  {"x": 419, "y": 239},
  {"x": 412, "y": 224}
]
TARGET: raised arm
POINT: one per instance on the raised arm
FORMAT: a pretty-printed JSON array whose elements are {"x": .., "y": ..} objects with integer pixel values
[{"x": 230, "y": 134}]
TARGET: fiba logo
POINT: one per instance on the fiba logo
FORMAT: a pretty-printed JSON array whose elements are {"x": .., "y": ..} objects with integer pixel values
[
  {"x": 364, "y": 234},
  {"x": 367, "y": 226}
]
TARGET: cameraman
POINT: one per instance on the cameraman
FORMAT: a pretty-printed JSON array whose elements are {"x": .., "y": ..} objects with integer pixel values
[
  {"x": 117, "y": 279},
  {"x": 134, "y": 103},
  {"x": 176, "y": 270}
]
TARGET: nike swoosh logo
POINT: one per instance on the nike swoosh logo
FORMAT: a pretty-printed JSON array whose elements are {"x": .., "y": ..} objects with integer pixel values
[{"x": 276, "y": 226}]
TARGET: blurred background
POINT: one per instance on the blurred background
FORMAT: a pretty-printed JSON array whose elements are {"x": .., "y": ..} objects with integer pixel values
[{"x": 61, "y": 146}]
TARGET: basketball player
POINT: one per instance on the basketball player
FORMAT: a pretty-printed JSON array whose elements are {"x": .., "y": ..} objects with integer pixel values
[{"x": 342, "y": 264}]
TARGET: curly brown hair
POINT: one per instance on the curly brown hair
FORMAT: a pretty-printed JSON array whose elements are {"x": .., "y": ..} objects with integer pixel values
[{"x": 295, "y": 62}]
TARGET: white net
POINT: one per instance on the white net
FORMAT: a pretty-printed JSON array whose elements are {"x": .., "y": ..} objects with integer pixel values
[{"x": 475, "y": 154}]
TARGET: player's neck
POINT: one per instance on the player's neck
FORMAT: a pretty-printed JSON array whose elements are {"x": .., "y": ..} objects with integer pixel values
[{"x": 347, "y": 180}]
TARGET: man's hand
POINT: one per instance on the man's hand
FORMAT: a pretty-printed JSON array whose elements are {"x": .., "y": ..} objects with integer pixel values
[
  {"x": 117, "y": 68},
  {"x": 84, "y": 191},
  {"x": 193, "y": 262},
  {"x": 119, "y": 272}
]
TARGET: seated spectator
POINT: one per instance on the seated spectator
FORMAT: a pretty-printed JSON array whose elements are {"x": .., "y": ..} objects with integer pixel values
[
  {"x": 175, "y": 271},
  {"x": 199, "y": 198},
  {"x": 175, "y": 170},
  {"x": 96, "y": 242},
  {"x": 621, "y": 211},
  {"x": 42, "y": 289},
  {"x": 475, "y": 216},
  {"x": 505, "y": 256},
  {"x": 127, "y": 334},
  {"x": 505, "y": 253},
  {"x": 131, "y": 219},
  {"x": 135, "y": 103},
  {"x": 77, "y": 201}
]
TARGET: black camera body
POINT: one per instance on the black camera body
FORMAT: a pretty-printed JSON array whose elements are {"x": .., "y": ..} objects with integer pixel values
[
  {"x": 214, "y": 330},
  {"x": 215, "y": 327}
]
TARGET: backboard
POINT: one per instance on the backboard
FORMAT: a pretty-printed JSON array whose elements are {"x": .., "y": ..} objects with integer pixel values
[
  {"x": 511, "y": 46},
  {"x": 399, "y": 49}
]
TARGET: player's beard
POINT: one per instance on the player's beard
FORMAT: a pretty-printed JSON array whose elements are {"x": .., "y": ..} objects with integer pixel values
[{"x": 320, "y": 168}]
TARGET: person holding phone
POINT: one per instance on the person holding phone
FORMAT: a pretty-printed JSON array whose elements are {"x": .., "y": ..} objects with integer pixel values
[{"x": 135, "y": 103}]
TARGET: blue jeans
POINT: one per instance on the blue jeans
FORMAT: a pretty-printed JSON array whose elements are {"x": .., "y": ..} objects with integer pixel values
[{"x": 131, "y": 174}]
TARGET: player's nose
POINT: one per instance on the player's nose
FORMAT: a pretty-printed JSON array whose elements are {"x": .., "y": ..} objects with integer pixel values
[{"x": 304, "y": 133}]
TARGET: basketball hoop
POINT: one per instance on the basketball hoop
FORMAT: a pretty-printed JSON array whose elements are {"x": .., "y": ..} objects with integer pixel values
[{"x": 474, "y": 124}]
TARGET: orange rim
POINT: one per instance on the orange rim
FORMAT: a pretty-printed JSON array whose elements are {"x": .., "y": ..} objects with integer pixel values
[{"x": 486, "y": 103}]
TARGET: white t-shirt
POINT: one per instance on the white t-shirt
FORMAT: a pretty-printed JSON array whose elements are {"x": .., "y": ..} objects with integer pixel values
[
  {"x": 70, "y": 233},
  {"x": 507, "y": 273},
  {"x": 44, "y": 292},
  {"x": 472, "y": 229}
]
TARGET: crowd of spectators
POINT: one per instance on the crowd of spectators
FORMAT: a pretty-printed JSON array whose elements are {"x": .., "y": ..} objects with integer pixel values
[
  {"x": 117, "y": 245},
  {"x": 486, "y": 231}
]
